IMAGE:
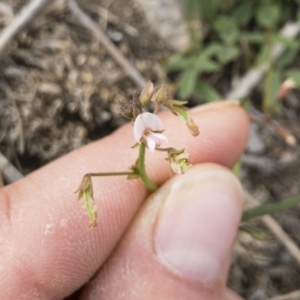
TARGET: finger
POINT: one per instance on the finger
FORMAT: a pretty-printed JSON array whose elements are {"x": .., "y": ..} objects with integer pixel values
[
  {"x": 180, "y": 244},
  {"x": 43, "y": 228},
  {"x": 231, "y": 295}
]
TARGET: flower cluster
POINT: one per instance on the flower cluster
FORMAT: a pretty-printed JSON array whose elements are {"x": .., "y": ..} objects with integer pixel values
[{"x": 148, "y": 132}]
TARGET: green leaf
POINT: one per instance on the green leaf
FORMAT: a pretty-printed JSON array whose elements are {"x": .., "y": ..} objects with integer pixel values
[
  {"x": 264, "y": 54},
  {"x": 228, "y": 54},
  {"x": 271, "y": 87},
  {"x": 187, "y": 82},
  {"x": 237, "y": 168},
  {"x": 206, "y": 91},
  {"x": 205, "y": 64},
  {"x": 255, "y": 232},
  {"x": 268, "y": 14},
  {"x": 254, "y": 37},
  {"x": 243, "y": 13},
  {"x": 227, "y": 29},
  {"x": 285, "y": 41},
  {"x": 178, "y": 64},
  {"x": 211, "y": 50},
  {"x": 295, "y": 75},
  {"x": 270, "y": 208},
  {"x": 286, "y": 58},
  {"x": 209, "y": 8}
]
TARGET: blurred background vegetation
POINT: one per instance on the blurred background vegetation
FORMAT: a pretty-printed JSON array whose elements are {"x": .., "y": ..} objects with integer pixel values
[{"x": 230, "y": 37}]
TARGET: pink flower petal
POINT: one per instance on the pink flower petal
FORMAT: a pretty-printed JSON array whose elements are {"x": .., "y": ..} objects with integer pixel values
[
  {"x": 160, "y": 136},
  {"x": 150, "y": 143},
  {"x": 138, "y": 128},
  {"x": 146, "y": 121},
  {"x": 153, "y": 136}
]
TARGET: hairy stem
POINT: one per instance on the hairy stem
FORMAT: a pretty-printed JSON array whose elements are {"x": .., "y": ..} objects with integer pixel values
[{"x": 142, "y": 172}]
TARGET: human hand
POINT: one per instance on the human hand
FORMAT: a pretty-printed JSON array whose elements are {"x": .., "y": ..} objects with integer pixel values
[{"x": 176, "y": 245}]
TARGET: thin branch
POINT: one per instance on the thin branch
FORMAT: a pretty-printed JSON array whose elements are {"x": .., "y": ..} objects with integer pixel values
[
  {"x": 243, "y": 87},
  {"x": 86, "y": 21},
  {"x": 10, "y": 173},
  {"x": 290, "y": 296},
  {"x": 282, "y": 236},
  {"x": 277, "y": 230},
  {"x": 130, "y": 30},
  {"x": 27, "y": 14}
]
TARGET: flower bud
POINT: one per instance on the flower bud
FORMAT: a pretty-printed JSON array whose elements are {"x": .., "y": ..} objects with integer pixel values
[
  {"x": 161, "y": 96},
  {"x": 177, "y": 108},
  {"x": 132, "y": 109},
  {"x": 193, "y": 128},
  {"x": 147, "y": 93},
  {"x": 179, "y": 161},
  {"x": 126, "y": 110},
  {"x": 86, "y": 192}
]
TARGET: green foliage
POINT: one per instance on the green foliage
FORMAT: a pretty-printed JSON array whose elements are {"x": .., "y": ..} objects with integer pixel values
[
  {"x": 243, "y": 13},
  {"x": 295, "y": 75},
  {"x": 271, "y": 87},
  {"x": 227, "y": 29},
  {"x": 207, "y": 91},
  {"x": 187, "y": 82},
  {"x": 267, "y": 14},
  {"x": 235, "y": 32}
]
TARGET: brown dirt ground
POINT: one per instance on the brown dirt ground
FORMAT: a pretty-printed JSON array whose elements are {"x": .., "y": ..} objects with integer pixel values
[{"x": 59, "y": 90}]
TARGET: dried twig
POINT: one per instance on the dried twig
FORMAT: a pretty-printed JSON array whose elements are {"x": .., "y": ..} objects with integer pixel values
[
  {"x": 243, "y": 87},
  {"x": 281, "y": 235},
  {"x": 10, "y": 173},
  {"x": 27, "y": 14},
  {"x": 277, "y": 230},
  {"x": 290, "y": 296},
  {"x": 116, "y": 20},
  {"x": 111, "y": 48}
]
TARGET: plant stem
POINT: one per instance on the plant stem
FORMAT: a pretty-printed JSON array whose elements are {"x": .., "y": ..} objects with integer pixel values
[
  {"x": 269, "y": 74},
  {"x": 269, "y": 208},
  {"x": 142, "y": 172},
  {"x": 111, "y": 174},
  {"x": 162, "y": 149}
]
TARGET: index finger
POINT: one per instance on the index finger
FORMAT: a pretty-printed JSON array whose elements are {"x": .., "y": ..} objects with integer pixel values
[{"x": 46, "y": 249}]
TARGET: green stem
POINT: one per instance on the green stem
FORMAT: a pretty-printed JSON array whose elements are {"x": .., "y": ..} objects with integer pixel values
[
  {"x": 111, "y": 174},
  {"x": 162, "y": 149},
  {"x": 142, "y": 172},
  {"x": 268, "y": 79},
  {"x": 269, "y": 208}
]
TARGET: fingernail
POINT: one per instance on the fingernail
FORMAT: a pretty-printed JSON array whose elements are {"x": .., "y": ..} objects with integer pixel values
[{"x": 196, "y": 226}]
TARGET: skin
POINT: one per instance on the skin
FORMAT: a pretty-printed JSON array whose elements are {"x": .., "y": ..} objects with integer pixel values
[{"x": 46, "y": 251}]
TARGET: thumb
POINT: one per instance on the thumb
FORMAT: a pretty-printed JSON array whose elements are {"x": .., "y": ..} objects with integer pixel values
[{"x": 180, "y": 244}]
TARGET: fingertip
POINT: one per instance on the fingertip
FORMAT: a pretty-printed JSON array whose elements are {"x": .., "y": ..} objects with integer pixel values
[
  {"x": 224, "y": 132},
  {"x": 197, "y": 223},
  {"x": 179, "y": 246}
]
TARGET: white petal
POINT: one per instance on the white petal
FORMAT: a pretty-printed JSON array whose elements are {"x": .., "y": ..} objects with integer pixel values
[
  {"x": 152, "y": 121},
  {"x": 153, "y": 136},
  {"x": 146, "y": 121},
  {"x": 160, "y": 136},
  {"x": 138, "y": 128},
  {"x": 150, "y": 143}
]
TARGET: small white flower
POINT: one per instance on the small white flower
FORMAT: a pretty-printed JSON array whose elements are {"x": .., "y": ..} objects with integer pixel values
[{"x": 147, "y": 128}]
